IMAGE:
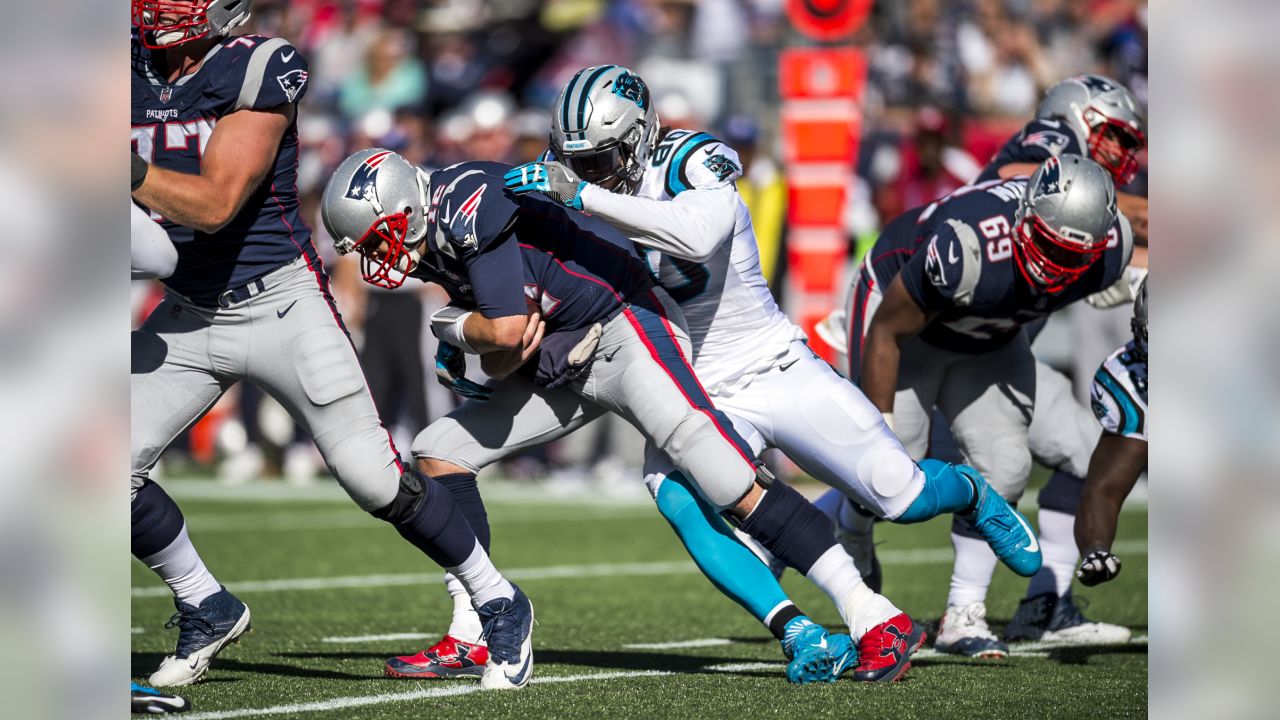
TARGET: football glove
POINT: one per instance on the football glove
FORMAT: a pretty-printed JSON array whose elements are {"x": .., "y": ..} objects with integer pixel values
[
  {"x": 451, "y": 369},
  {"x": 1098, "y": 567},
  {"x": 549, "y": 178}
]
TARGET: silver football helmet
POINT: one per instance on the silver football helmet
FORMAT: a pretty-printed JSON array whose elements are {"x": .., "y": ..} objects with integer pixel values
[
  {"x": 167, "y": 23},
  {"x": 1139, "y": 322},
  {"x": 1106, "y": 114},
  {"x": 1064, "y": 221},
  {"x": 376, "y": 204},
  {"x": 604, "y": 127}
]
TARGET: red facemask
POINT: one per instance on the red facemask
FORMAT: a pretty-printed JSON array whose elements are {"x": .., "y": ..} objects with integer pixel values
[
  {"x": 1115, "y": 146},
  {"x": 1057, "y": 262},
  {"x": 156, "y": 18},
  {"x": 384, "y": 270}
]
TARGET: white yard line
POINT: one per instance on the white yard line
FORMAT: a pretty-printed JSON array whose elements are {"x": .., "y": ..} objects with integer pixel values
[
  {"x": 745, "y": 667},
  {"x": 376, "y": 638},
  {"x": 370, "y": 581},
  {"x": 925, "y": 556},
  {"x": 342, "y": 703},
  {"x": 696, "y": 643}
]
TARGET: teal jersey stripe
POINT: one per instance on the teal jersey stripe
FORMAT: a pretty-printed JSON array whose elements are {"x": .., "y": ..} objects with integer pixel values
[
  {"x": 1130, "y": 415},
  {"x": 677, "y": 180}
]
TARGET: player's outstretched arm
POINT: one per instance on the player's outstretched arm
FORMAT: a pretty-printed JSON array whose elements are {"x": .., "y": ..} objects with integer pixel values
[
  {"x": 1113, "y": 470},
  {"x": 898, "y": 318},
  {"x": 241, "y": 151},
  {"x": 502, "y": 363},
  {"x": 691, "y": 226}
]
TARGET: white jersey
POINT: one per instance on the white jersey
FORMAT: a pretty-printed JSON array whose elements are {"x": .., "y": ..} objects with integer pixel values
[
  {"x": 735, "y": 325},
  {"x": 1119, "y": 393}
]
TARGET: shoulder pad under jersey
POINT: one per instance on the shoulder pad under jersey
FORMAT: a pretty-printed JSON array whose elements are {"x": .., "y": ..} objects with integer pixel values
[
  {"x": 272, "y": 72},
  {"x": 696, "y": 160},
  {"x": 954, "y": 261}
]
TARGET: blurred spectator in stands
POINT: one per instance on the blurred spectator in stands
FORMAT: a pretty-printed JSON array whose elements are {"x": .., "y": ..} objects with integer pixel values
[
  {"x": 491, "y": 135},
  {"x": 532, "y": 129},
  {"x": 933, "y": 165},
  {"x": 1007, "y": 71},
  {"x": 340, "y": 46},
  {"x": 391, "y": 78}
]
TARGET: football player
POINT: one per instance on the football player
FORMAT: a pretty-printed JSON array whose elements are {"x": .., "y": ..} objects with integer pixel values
[
  {"x": 1097, "y": 117},
  {"x": 937, "y": 319},
  {"x": 672, "y": 191},
  {"x": 613, "y": 342},
  {"x": 1119, "y": 399},
  {"x": 215, "y": 149}
]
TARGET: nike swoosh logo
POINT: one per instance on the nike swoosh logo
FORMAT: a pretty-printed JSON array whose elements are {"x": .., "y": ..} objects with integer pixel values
[
  {"x": 783, "y": 367},
  {"x": 282, "y": 313},
  {"x": 286, "y": 57},
  {"x": 822, "y": 643},
  {"x": 1035, "y": 544},
  {"x": 951, "y": 254},
  {"x": 518, "y": 678}
]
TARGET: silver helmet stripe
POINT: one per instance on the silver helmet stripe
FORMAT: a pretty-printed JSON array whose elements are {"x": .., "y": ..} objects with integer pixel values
[{"x": 585, "y": 92}]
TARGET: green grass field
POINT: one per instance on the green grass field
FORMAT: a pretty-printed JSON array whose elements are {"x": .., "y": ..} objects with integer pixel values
[{"x": 326, "y": 584}]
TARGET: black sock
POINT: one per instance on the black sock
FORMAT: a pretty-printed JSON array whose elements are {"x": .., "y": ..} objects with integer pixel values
[
  {"x": 466, "y": 493},
  {"x": 790, "y": 527},
  {"x": 155, "y": 518},
  {"x": 778, "y": 623}
]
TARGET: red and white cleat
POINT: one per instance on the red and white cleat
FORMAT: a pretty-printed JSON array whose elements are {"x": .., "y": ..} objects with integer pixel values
[
  {"x": 448, "y": 658},
  {"x": 884, "y": 652}
]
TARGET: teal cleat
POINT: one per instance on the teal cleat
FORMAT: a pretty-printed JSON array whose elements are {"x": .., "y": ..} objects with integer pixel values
[
  {"x": 807, "y": 646},
  {"x": 1004, "y": 528}
]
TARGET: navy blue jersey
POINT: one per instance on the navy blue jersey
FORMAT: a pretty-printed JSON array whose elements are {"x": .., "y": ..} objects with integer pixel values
[
  {"x": 1038, "y": 141},
  {"x": 172, "y": 125},
  {"x": 491, "y": 250},
  {"x": 958, "y": 262}
]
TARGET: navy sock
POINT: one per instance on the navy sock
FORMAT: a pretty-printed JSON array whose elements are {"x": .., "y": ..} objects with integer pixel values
[
  {"x": 790, "y": 527},
  {"x": 1062, "y": 493},
  {"x": 155, "y": 518},
  {"x": 425, "y": 514},
  {"x": 466, "y": 493}
]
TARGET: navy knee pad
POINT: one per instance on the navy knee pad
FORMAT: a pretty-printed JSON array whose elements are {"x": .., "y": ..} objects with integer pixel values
[
  {"x": 155, "y": 518},
  {"x": 1062, "y": 493},
  {"x": 466, "y": 493}
]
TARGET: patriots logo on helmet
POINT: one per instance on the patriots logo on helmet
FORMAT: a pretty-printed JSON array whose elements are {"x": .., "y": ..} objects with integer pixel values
[
  {"x": 1050, "y": 179},
  {"x": 1096, "y": 84},
  {"x": 364, "y": 182},
  {"x": 720, "y": 166},
  {"x": 291, "y": 83},
  {"x": 632, "y": 88},
  {"x": 1050, "y": 140}
]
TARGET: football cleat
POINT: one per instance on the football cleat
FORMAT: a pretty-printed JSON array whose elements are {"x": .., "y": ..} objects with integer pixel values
[
  {"x": 202, "y": 633},
  {"x": 148, "y": 701},
  {"x": 508, "y": 630},
  {"x": 1004, "y": 528},
  {"x": 884, "y": 651},
  {"x": 964, "y": 631},
  {"x": 808, "y": 648},
  {"x": 448, "y": 658},
  {"x": 1058, "y": 619}
]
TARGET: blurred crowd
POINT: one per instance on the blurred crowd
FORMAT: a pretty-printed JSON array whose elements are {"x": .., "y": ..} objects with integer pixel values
[{"x": 442, "y": 81}]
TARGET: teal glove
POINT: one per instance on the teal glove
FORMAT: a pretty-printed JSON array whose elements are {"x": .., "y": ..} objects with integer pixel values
[
  {"x": 549, "y": 178},
  {"x": 451, "y": 369}
]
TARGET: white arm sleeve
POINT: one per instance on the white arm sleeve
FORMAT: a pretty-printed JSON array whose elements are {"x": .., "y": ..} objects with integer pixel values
[
  {"x": 151, "y": 253},
  {"x": 691, "y": 226}
]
